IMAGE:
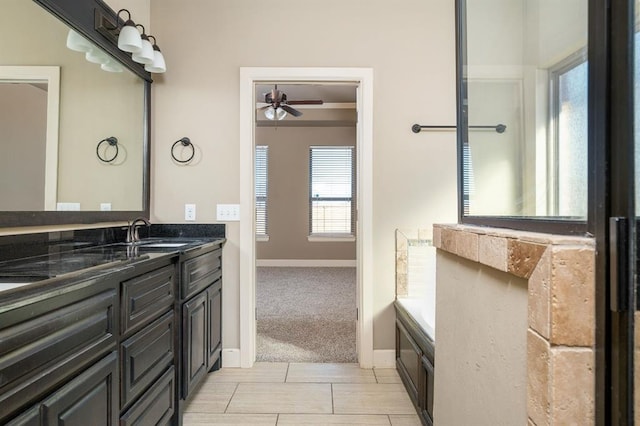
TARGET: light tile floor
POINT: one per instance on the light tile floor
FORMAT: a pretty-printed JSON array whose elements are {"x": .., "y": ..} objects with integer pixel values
[{"x": 283, "y": 393}]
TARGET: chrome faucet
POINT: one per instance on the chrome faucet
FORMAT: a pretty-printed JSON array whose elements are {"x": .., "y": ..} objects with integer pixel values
[{"x": 132, "y": 229}]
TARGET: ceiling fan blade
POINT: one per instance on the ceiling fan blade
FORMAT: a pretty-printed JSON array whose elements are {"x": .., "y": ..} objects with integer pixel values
[
  {"x": 262, "y": 108},
  {"x": 306, "y": 102},
  {"x": 291, "y": 111}
]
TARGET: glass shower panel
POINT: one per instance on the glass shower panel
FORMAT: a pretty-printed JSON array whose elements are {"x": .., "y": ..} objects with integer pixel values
[{"x": 512, "y": 52}]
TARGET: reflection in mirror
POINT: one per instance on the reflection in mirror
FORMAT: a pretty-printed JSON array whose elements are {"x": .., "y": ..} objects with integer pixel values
[
  {"x": 524, "y": 65},
  {"x": 93, "y": 104}
]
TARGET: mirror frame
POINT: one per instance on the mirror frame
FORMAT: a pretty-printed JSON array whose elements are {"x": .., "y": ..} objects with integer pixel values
[{"x": 88, "y": 18}]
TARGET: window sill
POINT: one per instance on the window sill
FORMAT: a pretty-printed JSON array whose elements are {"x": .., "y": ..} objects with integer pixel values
[
  {"x": 262, "y": 238},
  {"x": 331, "y": 238}
]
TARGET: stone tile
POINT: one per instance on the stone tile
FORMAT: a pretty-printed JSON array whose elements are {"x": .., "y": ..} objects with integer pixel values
[
  {"x": 211, "y": 397},
  {"x": 572, "y": 296},
  {"x": 448, "y": 240},
  {"x": 401, "y": 262},
  {"x": 229, "y": 419},
  {"x": 437, "y": 231},
  {"x": 573, "y": 388},
  {"x": 261, "y": 372},
  {"x": 387, "y": 375},
  {"x": 539, "y": 300},
  {"x": 401, "y": 241},
  {"x": 402, "y": 285},
  {"x": 538, "y": 370},
  {"x": 425, "y": 234},
  {"x": 405, "y": 420},
  {"x": 332, "y": 419},
  {"x": 523, "y": 257},
  {"x": 371, "y": 399},
  {"x": 467, "y": 245},
  {"x": 492, "y": 251},
  {"x": 329, "y": 373},
  {"x": 289, "y": 398}
]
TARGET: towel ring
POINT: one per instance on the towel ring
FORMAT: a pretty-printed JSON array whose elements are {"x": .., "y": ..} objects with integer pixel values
[
  {"x": 185, "y": 142},
  {"x": 112, "y": 141}
]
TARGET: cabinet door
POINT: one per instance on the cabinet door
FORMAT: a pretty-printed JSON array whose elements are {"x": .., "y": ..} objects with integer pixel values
[
  {"x": 194, "y": 338},
  {"x": 426, "y": 399},
  {"x": 214, "y": 317},
  {"x": 91, "y": 398},
  {"x": 408, "y": 361}
]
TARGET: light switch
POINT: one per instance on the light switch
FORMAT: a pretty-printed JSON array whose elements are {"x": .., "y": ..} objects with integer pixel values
[
  {"x": 105, "y": 207},
  {"x": 228, "y": 212},
  {"x": 67, "y": 207},
  {"x": 189, "y": 212}
]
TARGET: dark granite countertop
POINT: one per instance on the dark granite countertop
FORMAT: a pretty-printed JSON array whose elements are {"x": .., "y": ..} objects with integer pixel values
[{"x": 92, "y": 254}]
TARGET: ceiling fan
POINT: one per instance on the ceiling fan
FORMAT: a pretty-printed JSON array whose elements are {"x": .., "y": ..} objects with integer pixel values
[{"x": 278, "y": 105}]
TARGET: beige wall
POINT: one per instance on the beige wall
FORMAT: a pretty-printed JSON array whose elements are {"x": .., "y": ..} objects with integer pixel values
[
  {"x": 410, "y": 46},
  {"x": 288, "y": 192},
  {"x": 481, "y": 348},
  {"x": 23, "y": 112}
]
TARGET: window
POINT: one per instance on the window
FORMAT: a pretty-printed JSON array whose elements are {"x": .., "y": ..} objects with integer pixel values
[
  {"x": 261, "y": 181},
  {"x": 569, "y": 137},
  {"x": 331, "y": 191}
]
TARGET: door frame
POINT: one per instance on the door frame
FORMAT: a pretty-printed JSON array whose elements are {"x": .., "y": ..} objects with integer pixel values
[{"x": 363, "y": 77}]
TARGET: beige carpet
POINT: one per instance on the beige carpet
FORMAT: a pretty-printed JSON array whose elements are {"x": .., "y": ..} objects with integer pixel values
[{"x": 306, "y": 314}]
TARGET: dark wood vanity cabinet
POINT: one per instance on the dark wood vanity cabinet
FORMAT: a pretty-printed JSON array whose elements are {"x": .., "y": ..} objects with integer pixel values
[
  {"x": 414, "y": 362},
  {"x": 126, "y": 347},
  {"x": 53, "y": 336},
  {"x": 201, "y": 318}
]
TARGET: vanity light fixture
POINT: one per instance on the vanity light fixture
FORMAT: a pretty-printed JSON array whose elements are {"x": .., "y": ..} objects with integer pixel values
[
  {"x": 158, "y": 66},
  {"x": 129, "y": 39},
  {"x": 146, "y": 54},
  {"x": 272, "y": 113},
  {"x": 78, "y": 43}
]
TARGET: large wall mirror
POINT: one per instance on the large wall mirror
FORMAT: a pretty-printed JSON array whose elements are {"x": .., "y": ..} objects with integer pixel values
[{"x": 56, "y": 105}]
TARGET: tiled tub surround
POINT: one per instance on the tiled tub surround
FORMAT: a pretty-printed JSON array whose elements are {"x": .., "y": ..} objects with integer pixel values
[
  {"x": 415, "y": 276},
  {"x": 561, "y": 313}
]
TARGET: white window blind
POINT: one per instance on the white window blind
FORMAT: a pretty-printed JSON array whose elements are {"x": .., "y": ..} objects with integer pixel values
[
  {"x": 261, "y": 182},
  {"x": 331, "y": 191}
]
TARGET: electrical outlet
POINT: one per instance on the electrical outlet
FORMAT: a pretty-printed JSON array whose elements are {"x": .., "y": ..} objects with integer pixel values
[
  {"x": 189, "y": 212},
  {"x": 105, "y": 207},
  {"x": 228, "y": 212},
  {"x": 68, "y": 206}
]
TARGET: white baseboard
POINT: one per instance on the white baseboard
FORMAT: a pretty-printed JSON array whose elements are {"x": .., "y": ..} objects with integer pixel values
[
  {"x": 315, "y": 263},
  {"x": 384, "y": 358},
  {"x": 231, "y": 358}
]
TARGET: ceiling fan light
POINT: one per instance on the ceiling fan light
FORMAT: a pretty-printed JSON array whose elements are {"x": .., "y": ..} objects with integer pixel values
[{"x": 272, "y": 113}]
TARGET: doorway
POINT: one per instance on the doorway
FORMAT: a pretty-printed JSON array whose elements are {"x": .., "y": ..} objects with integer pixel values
[
  {"x": 363, "y": 79},
  {"x": 305, "y": 185}
]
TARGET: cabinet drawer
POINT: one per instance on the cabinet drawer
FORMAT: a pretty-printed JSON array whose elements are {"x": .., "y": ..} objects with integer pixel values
[
  {"x": 156, "y": 406},
  {"x": 199, "y": 272},
  {"x": 144, "y": 357},
  {"x": 145, "y": 297},
  {"x": 54, "y": 337}
]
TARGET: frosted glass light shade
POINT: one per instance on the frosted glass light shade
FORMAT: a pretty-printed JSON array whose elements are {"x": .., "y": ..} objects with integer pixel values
[
  {"x": 146, "y": 54},
  {"x": 112, "y": 66},
  {"x": 272, "y": 113},
  {"x": 78, "y": 43},
  {"x": 158, "y": 66},
  {"x": 129, "y": 39},
  {"x": 96, "y": 56}
]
